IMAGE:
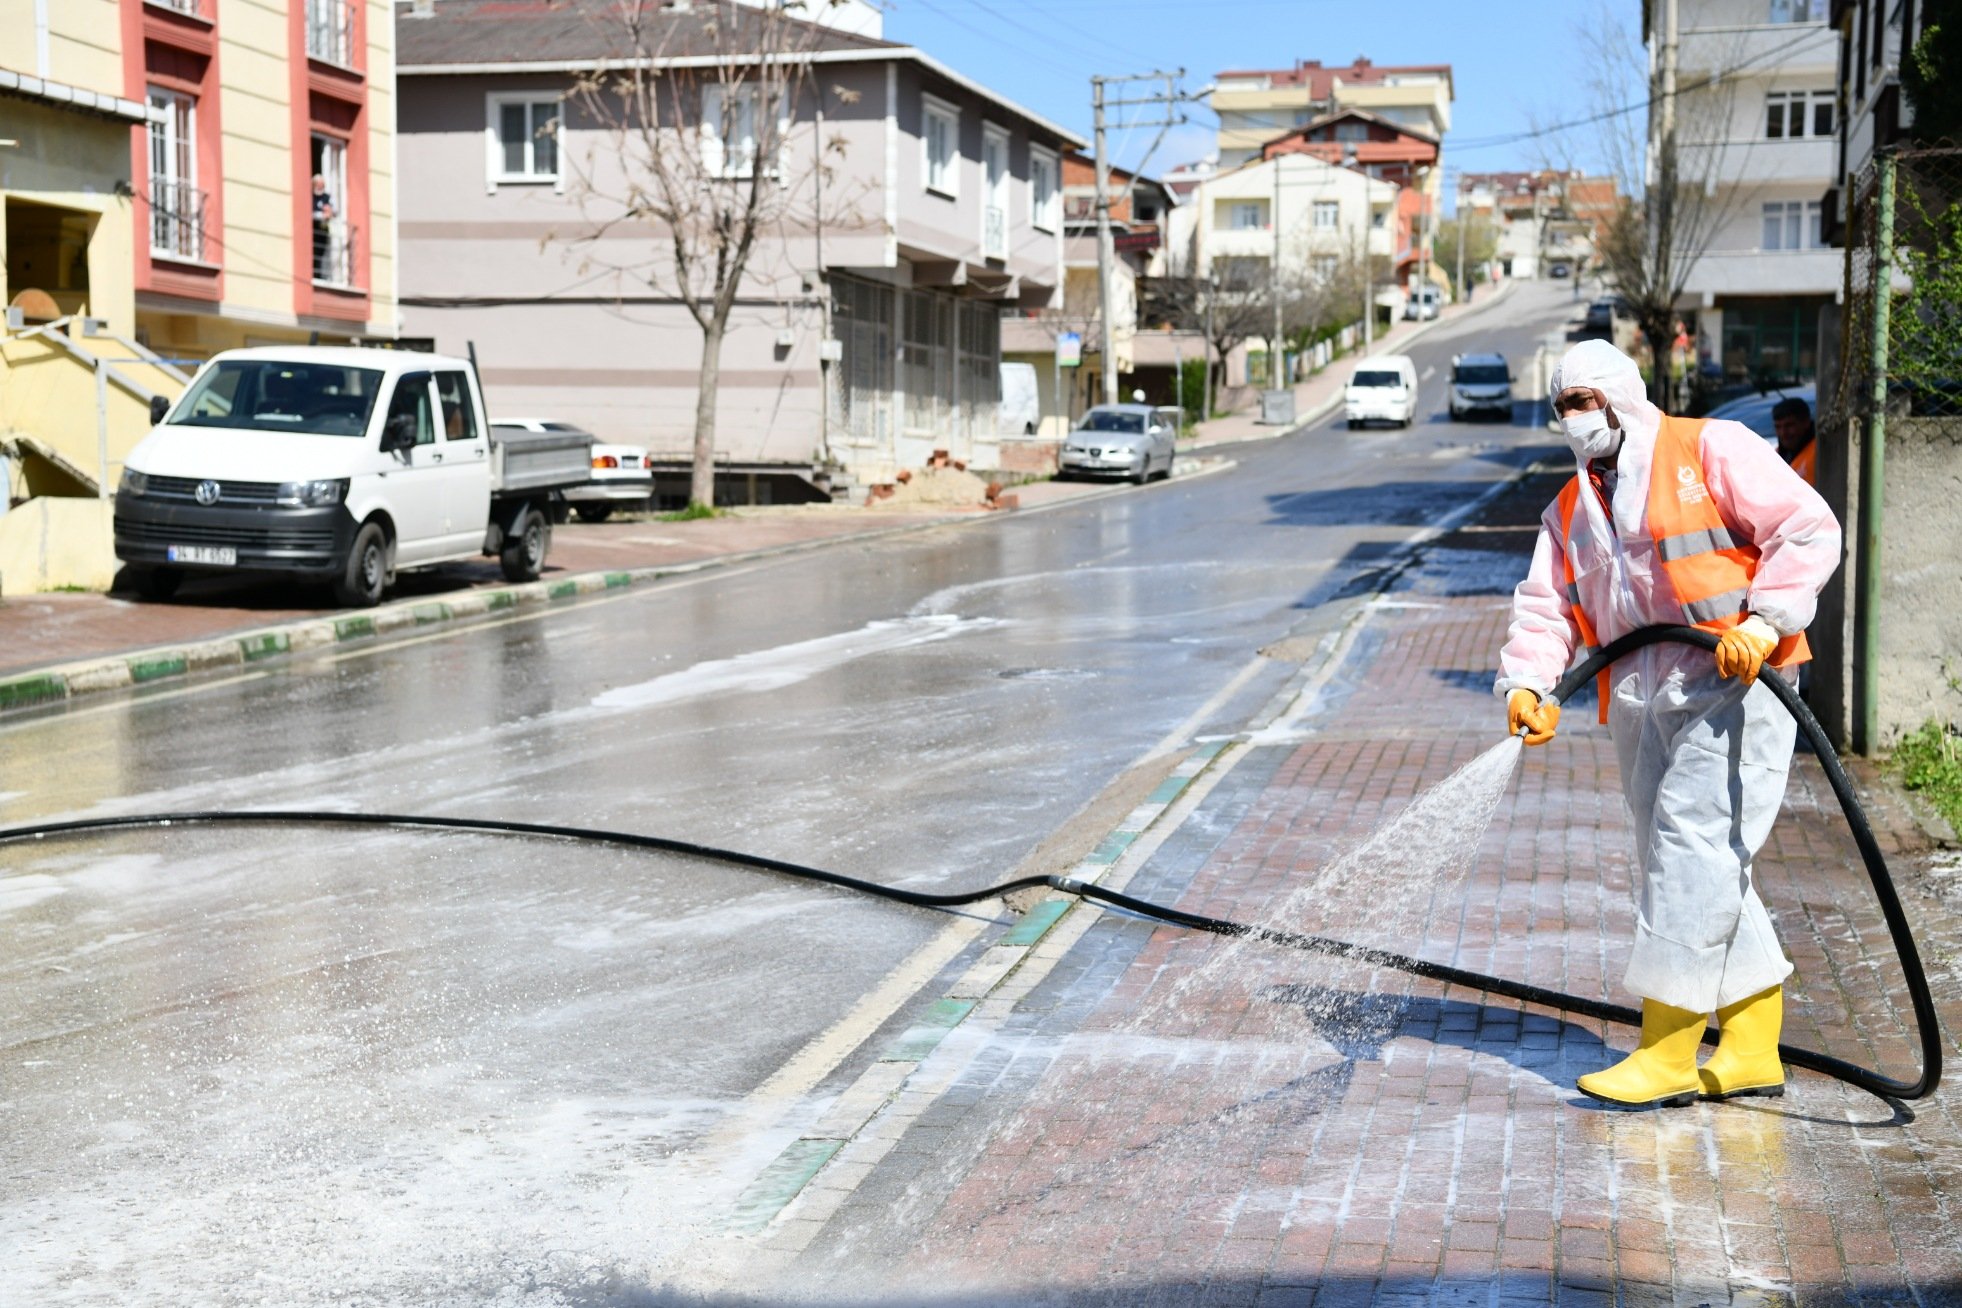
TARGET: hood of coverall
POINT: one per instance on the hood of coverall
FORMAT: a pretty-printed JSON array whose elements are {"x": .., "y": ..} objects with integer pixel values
[{"x": 1600, "y": 365}]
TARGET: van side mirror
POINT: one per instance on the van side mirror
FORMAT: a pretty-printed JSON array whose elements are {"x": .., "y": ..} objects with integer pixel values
[
  {"x": 399, "y": 433},
  {"x": 159, "y": 407}
]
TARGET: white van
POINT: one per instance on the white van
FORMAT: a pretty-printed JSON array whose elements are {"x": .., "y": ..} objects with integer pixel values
[
  {"x": 1383, "y": 389},
  {"x": 1425, "y": 302},
  {"x": 1021, "y": 403},
  {"x": 337, "y": 465}
]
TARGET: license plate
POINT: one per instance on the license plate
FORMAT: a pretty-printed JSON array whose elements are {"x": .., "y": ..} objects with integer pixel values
[{"x": 223, "y": 556}]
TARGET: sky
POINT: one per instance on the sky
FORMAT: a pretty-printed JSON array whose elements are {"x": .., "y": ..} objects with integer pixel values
[{"x": 1511, "y": 61}]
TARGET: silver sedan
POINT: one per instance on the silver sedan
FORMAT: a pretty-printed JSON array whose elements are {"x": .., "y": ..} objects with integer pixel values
[{"x": 1136, "y": 441}]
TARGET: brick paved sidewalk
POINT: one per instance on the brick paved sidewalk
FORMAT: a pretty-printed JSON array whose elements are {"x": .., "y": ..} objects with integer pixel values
[{"x": 1172, "y": 1118}]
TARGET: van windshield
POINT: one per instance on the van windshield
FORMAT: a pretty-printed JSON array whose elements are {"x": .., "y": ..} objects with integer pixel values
[
  {"x": 266, "y": 395},
  {"x": 1372, "y": 377},
  {"x": 1480, "y": 374}
]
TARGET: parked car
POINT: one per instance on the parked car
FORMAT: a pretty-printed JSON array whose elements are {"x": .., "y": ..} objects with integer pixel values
[
  {"x": 1559, "y": 270},
  {"x": 1480, "y": 383},
  {"x": 1137, "y": 441},
  {"x": 1383, "y": 389},
  {"x": 1754, "y": 411},
  {"x": 1021, "y": 402},
  {"x": 337, "y": 465},
  {"x": 1600, "y": 317},
  {"x": 622, "y": 475},
  {"x": 1424, "y": 302}
]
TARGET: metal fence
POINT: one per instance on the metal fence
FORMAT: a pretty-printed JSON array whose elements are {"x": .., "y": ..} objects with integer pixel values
[{"x": 1890, "y": 413}]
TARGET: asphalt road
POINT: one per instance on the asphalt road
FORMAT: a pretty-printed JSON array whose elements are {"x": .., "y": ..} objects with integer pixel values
[{"x": 305, "y": 1065}]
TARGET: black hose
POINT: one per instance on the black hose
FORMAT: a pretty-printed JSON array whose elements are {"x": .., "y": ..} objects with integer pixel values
[{"x": 1853, "y": 1074}]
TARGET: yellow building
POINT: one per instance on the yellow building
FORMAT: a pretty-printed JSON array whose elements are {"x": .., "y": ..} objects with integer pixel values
[{"x": 177, "y": 177}]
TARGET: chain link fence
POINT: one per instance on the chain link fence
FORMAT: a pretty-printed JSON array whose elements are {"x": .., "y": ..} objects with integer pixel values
[{"x": 1890, "y": 459}]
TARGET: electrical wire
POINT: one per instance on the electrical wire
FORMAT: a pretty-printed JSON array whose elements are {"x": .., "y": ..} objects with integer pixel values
[{"x": 1873, "y": 1082}]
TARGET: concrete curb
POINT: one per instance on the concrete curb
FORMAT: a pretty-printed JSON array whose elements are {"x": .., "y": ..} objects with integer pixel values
[
  {"x": 1334, "y": 402},
  {"x": 56, "y": 683}
]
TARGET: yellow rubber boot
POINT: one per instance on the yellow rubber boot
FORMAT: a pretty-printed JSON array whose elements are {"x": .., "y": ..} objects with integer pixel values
[
  {"x": 1661, "y": 1073},
  {"x": 1746, "y": 1061}
]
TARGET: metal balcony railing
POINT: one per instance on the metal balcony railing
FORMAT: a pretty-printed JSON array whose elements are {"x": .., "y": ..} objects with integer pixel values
[
  {"x": 195, "y": 8},
  {"x": 176, "y": 218},
  {"x": 994, "y": 229},
  {"x": 330, "y": 31},
  {"x": 333, "y": 252}
]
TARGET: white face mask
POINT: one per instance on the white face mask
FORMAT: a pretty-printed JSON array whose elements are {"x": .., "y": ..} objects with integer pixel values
[{"x": 1590, "y": 435}]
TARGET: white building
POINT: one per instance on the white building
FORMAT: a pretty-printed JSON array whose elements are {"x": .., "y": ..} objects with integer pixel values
[
  {"x": 1756, "y": 123},
  {"x": 1314, "y": 215}
]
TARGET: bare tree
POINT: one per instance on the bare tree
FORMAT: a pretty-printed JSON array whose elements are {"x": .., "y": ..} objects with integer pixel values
[
  {"x": 1227, "y": 306},
  {"x": 1478, "y": 237},
  {"x": 693, "y": 117}
]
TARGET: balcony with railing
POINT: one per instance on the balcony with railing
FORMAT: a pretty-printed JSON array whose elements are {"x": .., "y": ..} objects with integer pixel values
[
  {"x": 176, "y": 219},
  {"x": 330, "y": 31},
  {"x": 195, "y": 8},
  {"x": 333, "y": 253},
  {"x": 994, "y": 232}
]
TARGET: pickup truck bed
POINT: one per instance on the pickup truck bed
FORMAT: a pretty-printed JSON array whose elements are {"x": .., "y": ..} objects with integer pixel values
[{"x": 527, "y": 462}]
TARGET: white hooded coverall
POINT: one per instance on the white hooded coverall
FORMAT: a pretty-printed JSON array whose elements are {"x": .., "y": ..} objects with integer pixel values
[{"x": 1703, "y": 758}]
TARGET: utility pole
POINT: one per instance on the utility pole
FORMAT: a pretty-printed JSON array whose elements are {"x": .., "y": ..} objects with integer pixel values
[
  {"x": 1164, "y": 100},
  {"x": 1369, "y": 295},
  {"x": 1274, "y": 379},
  {"x": 1458, "y": 286}
]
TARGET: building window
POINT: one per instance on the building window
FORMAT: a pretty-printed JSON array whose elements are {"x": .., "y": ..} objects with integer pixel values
[
  {"x": 941, "y": 140},
  {"x": 728, "y": 130},
  {"x": 1328, "y": 215},
  {"x": 1044, "y": 194},
  {"x": 330, "y": 31},
  {"x": 1325, "y": 266},
  {"x": 994, "y": 192},
  {"x": 1352, "y": 131},
  {"x": 1248, "y": 216},
  {"x": 524, "y": 138},
  {"x": 176, "y": 203},
  {"x": 1798, "y": 11},
  {"x": 333, "y": 234},
  {"x": 1785, "y": 114},
  {"x": 1793, "y": 225}
]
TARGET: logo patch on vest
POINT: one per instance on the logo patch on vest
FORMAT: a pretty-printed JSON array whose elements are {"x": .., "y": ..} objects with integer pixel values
[{"x": 1690, "y": 488}]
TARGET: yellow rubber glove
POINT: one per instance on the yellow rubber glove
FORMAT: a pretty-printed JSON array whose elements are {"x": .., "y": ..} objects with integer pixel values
[
  {"x": 1524, "y": 709},
  {"x": 1742, "y": 650}
]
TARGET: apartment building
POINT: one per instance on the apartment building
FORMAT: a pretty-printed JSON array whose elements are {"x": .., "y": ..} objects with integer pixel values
[
  {"x": 1757, "y": 125},
  {"x": 1257, "y": 105},
  {"x": 1872, "y": 36},
  {"x": 866, "y": 332},
  {"x": 1377, "y": 147},
  {"x": 1543, "y": 219}
]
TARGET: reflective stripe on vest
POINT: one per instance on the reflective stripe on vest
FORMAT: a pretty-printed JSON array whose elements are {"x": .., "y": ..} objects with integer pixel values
[{"x": 1700, "y": 541}]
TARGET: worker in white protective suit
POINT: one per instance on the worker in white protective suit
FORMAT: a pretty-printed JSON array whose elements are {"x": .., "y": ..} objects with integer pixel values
[{"x": 1679, "y": 521}]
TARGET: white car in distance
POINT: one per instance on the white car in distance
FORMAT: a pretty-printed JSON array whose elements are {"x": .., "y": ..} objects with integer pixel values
[{"x": 623, "y": 475}]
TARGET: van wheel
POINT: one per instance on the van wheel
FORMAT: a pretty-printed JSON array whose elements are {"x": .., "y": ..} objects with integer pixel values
[
  {"x": 155, "y": 583},
  {"x": 524, "y": 552},
  {"x": 365, "y": 579}
]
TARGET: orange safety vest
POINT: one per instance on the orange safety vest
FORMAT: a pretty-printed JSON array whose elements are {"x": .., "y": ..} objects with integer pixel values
[
  {"x": 1708, "y": 568},
  {"x": 1806, "y": 462}
]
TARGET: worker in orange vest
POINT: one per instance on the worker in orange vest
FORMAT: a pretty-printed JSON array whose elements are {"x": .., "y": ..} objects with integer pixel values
[
  {"x": 1674, "y": 520},
  {"x": 1791, "y": 419}
]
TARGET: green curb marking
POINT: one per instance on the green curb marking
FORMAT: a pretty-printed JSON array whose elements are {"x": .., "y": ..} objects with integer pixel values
[
  {"x": 563, "y": 590},
  {"x": 32, "y": 690},
  {"x": 500, "y": 599},
  {"x": 1112, "y": 847},
  {"x": 1169, "y": 789},
  {"x": 614, "y": 579},
  {"x": 1036, "y": 922},
  {"x": 432, "y": 613},
  {"x": 351, "y": 628},
  {"x": 926, "y": 1034},
  {"x": 172, "y": 665},
  {"x": 781, "y": 1181},
  {"x": 263, "y": 647}
]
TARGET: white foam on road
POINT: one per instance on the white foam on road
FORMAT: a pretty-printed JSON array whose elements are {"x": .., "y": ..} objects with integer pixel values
[{"x": 786, "y": 665}]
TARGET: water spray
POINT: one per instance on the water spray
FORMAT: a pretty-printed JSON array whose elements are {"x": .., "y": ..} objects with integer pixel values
[{"x": 1873, "y": 1082}]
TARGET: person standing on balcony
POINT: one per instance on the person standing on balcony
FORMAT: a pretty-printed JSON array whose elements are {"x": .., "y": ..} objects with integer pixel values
[{"x": 323, "y": 236}]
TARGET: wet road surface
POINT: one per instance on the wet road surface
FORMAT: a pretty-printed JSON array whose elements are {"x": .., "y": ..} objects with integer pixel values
[{"x": 297, "y": 1064}]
